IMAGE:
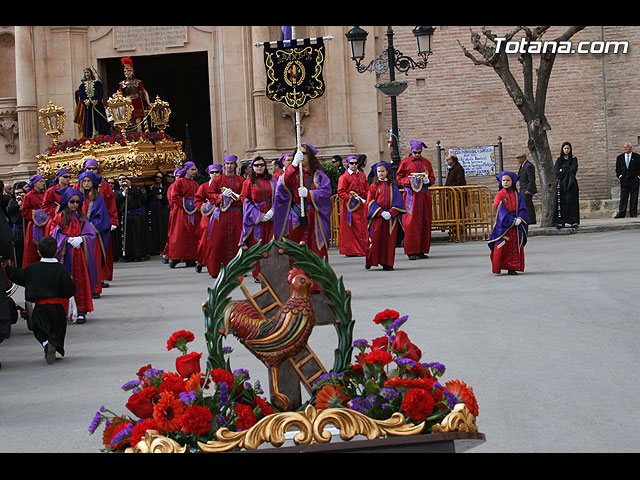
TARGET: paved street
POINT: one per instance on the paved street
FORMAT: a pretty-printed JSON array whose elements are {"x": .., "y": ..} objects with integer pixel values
[{"x": 551, "y": 354}]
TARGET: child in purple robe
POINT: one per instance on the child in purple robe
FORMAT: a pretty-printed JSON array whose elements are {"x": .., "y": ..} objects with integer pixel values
[{"x": 509, "y": 234}]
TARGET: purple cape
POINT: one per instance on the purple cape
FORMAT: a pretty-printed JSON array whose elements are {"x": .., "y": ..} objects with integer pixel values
[
  {"x": 506, "y": 219},
  {"x": 397, "y": 203},
  {"x": 319, "y": 199},
  {"x": 98, "y": 215},
  {"x": 252, "y": 216}
]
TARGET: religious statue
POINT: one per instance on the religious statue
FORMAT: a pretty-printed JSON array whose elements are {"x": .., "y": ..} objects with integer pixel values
[
  {"x": 90, "y": 99},
  {"x": 133, "y": 88}
]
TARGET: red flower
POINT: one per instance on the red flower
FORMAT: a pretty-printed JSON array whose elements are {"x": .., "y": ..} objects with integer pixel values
[
  {"x": 179, "y": 339},
  {"x": 379, "y": 343},
  {"x": 111, "y": 431},
  {"x": 168, "y": 412},
  {"x": 143, "y": 370},
  {"x": 140, "y": 428},
  {"x": 246, "y": 416},
  {"x": 330, "y": 396},
  {"x": 418, "y": 404},
  {"x": 386, "y": 315},
  {"x": 140, "y": 402},
  {"x": 196, "y": 420},
  {"x": 465, "y": 394},
  {"x": 172, "y": 382},
  {"x": 187, "y": 365},
  {"x": 379, "y": 356},
  {"x": 425, "y": 383},
  {"x": 263, "y": 406},
  {"x": 222, "y": 375},
  {"x": 403, "y": 346}
]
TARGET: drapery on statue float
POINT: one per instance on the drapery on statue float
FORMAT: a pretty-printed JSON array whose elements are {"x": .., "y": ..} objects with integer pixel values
[{"x": 378, "y": 390}]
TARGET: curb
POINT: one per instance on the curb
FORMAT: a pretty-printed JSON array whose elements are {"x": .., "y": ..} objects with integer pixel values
[{"x": 609, "y": 227}]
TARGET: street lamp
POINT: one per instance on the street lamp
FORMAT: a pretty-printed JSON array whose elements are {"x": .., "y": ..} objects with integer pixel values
[{"x": 391, "y": 60}]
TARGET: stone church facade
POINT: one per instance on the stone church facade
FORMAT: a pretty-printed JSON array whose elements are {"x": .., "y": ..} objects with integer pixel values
[{"x": 213, "y": 78}]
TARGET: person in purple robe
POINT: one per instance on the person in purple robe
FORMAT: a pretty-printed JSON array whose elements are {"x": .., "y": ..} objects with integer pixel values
[
  {"x": 509, "y": 234},
  {"x": 75, "y": 237},
  {"x": 95, "y": 209},
  {"x": 90, "y": 94},
  {"x": 314, "y": 227}
]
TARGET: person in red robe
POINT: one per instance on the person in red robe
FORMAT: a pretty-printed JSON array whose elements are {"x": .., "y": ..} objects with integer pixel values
[
  {"x": 352, "y": 190},
  {"x": 385, "y": 207},
  {"x": 258, "y": 193},
  {"x": 282, "y": 163},
  {"x": 75, "y": 237},
  {"x": 509, "y": 234},
  {"x": 184, "y": 219},
  {"x": 51, "y": 200},
  {"x": 415, "y": 175},
  {"x": 92, "y": 165},
  {"x": 206, "y": 209},
  {"x": 226, "y": 222},
  {"x": 177, "y": 173},
  {"x": 35, "y": 219}
]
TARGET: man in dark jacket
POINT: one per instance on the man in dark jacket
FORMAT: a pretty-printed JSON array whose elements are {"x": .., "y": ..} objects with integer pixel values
[
  {"x": 527, "y": 174},
  {"x": 628, "y": 171},
  {"x": 6, "y": 253},
  {"x": 455, "y": 176}
]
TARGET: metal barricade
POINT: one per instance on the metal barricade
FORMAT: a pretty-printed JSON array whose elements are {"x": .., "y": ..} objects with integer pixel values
[
  {"x": 465, "y": 211},
  {"x": 335, "y": 221}
]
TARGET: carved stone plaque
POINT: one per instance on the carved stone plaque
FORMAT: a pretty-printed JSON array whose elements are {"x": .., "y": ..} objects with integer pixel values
[{"x": 147, "y": 38}]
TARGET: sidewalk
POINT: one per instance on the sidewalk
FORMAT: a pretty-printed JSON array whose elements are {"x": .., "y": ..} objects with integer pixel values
[{"x": 589, "y": 225}]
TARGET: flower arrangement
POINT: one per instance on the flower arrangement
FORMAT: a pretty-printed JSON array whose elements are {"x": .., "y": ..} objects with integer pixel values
[
  {"x": 107, "y": 140},
  {"x": 387, "y": 376},
  {"x": 187, "y": 406},
  {"x": 395, "y": 83}
]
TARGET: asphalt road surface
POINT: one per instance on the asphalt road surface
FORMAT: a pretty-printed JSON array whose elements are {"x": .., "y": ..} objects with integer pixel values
[{"x": 551, "y": 354}]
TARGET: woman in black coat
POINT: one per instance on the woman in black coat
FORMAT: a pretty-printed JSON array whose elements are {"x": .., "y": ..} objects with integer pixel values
[{"x": 567, "y": 204}]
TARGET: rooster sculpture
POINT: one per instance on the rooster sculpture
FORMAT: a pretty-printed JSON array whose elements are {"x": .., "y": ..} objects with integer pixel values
[{"x": 275, "y": 339}]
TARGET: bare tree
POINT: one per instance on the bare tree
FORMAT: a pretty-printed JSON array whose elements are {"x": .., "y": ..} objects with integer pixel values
[{"x": 530, "y": 98}]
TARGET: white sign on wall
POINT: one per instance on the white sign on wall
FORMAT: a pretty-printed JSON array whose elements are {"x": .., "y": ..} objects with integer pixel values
[{"x": 476, "y": 161}]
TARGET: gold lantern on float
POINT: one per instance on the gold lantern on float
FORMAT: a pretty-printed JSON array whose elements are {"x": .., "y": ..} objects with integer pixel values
[
  {"x": 120, "y": 109},
  {"x": 52, "y": 118},
  {"x": 160, "y": 112}
]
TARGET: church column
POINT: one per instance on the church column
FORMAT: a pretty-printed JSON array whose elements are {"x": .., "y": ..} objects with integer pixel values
[
  {"x": 26, "y": 101},
  {"x": 263, "y": 107}
]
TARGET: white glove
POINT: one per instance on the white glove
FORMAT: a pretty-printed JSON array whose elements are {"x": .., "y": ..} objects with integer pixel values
[
  {"x": 386, "y": 215},
  {"x": 297, "y": 159},
  {"x": 113, "y": 227},
  {"x": 228, "y": 192},
  {"x": 427, "y": 181},
  {"x": 268, "y": 216},
  {"x": 303, "y": 192},
  {"x": 75, "y": 242},
  {"x": 518, "y": 221}
]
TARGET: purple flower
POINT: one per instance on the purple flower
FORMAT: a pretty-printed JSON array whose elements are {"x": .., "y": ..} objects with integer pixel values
[
  {"x": 97, "y": 420},
  {"x": 360, "y": 344},
  {"x": 130, "y": 385},
  {"x": 188, "y": 397},
  {"x": 396, "y": 324},
  {"x": 121, "y": 435}
]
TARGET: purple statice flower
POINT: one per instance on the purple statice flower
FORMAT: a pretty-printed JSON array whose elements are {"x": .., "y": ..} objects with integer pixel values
[
  {"x": 243, "y": 372},
  {"x": 257, "y": 388},
  {"x": 330, "y": 378},
  {"x": 397, "y": 323},
  {"x": 220, "y": 421},
  {"x": 437, "y": 368},
  {"x": 97, "y": 420},
  {"x": 152, "y": 373},
  {"x": 450, "y": 398},
  {"x": 389, "y": 394},
  {"x": 405, "y": 362},
  {"x": 130, "y": 385},
  {"x": 227, "y": 350},
  {"x": 121, "y": 435},
  {"x": 188, "y": 398},
  {"x": 223, "y": 397},
  {"x": 356, "y": 404},
  {"x": 360, "y": 344}
]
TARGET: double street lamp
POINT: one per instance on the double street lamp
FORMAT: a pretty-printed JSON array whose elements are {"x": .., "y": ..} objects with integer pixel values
[{"x": 391, "y": 60}]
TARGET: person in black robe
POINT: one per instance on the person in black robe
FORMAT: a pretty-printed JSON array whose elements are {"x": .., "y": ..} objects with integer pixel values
[
  {"x": 131, "y": 201},
  {"x": 47, "y": 284},
  {"x": 158, "y": 213},
  {"x": 6, "y": 253},
  {"x": 567, "y": 204}
]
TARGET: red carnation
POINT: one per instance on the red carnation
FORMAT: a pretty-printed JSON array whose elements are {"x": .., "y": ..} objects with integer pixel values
[
  {"x": 172, "y": 382},
  {"x": 246, "y": 416},
  {"x": 222, "y": 375},
  {"x": 187, "y": 365},
  {"x": 418, "y": 404},
  {"x": 179, "y": 340},
  {"x": 263, "y": 406},
  {"x": 386, "y": 315},
  {"x": 140, "y": 428},
  {"x": 379, "y": 356},
  {"x": 140, "y": 402},
  {"x": 196, "y": 420}
]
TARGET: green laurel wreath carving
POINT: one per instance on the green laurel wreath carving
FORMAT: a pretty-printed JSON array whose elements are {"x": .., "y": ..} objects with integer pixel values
[{"x": 315, "y": 266}]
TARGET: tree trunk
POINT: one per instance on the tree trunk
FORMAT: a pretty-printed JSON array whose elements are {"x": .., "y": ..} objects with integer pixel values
[{"x": 541, "y": 153}]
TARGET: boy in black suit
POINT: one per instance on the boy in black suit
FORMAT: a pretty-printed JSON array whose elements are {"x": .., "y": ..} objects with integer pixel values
[{"x": 49, "y": 286}]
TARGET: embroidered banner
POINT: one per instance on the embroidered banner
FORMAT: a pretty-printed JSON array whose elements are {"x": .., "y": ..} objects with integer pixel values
[{"x": 294, "y": 70}]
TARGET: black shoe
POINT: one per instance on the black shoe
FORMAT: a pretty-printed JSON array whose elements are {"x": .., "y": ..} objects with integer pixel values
[
  {"x": 387, "y": 268},
  {"x": 190, "y": 263},
  {"x": 256, "y": 280},
  {"x": 165, "y": 260},
  {"x": 173, "y": 263},
  {"x": 199, "y": 267},
  {"x": 423, "y": 255},
  {"x": 81, "y": 318},
  {"x": 367, "y": 267},
  {"x": 512, "y": 272},
  {"x": 50, "y": 353},
  {"x": 413, "y": 257},
  {"x": 105, "y": 285},
  {"x": 574, "y": 225},
  {"x": 96, "y": 296},
  {"x": 620, "y": 215}
]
